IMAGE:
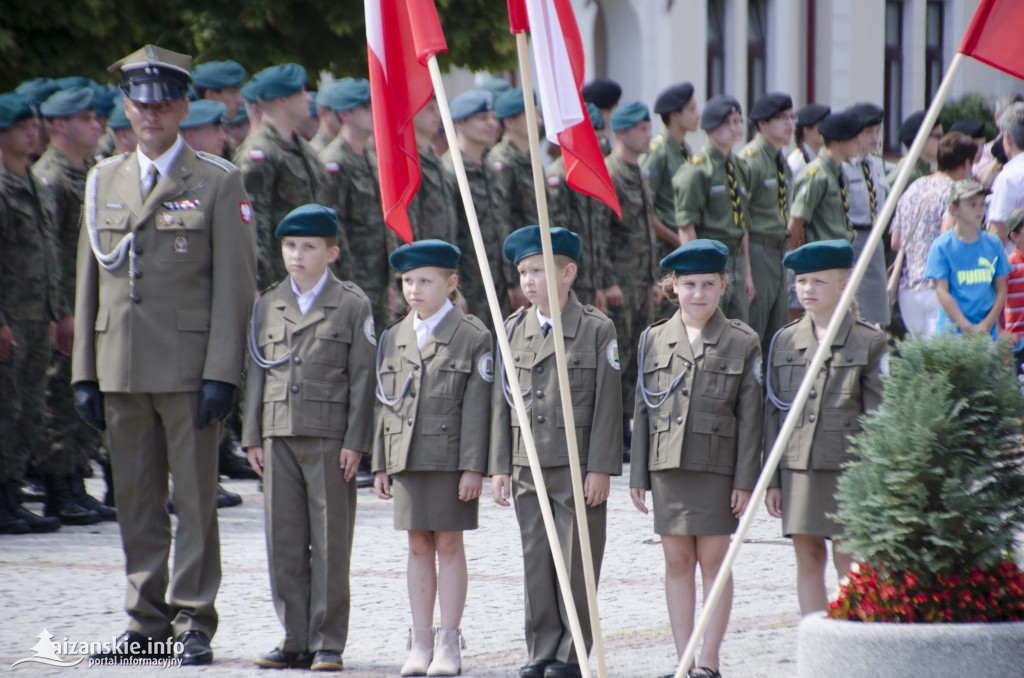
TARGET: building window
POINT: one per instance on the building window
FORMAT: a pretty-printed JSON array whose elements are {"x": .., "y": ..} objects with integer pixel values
[
  {"x": 757, "y": 50},
  {"x": 893, "y": 103},
  {"x": 716, "y": 48},
  {"x": 934, "y": 23}
]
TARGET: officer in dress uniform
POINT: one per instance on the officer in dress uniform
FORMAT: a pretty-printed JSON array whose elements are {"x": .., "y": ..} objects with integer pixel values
[{"x": 166, "y": 276}]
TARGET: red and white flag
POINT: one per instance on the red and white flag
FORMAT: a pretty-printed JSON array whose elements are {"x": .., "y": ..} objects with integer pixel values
[
  {"x": 994, "y": 36},
  {"x": 401, "y": 36},
  {"x": 558, "y": 57}
]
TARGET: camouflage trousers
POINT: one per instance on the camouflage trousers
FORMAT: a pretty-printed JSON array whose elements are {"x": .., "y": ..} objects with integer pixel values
[
  {"x": 631, "y": 319},
  {"x": 22, "y": 397},
  {"x": 67, "y": 443}
]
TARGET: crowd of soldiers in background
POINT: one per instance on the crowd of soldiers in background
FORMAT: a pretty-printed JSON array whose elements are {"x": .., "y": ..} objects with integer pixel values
[{"x": 296, "y": 147}]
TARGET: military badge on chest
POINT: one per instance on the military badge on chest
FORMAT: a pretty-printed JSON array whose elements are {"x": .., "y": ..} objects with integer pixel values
[{"x": 180, "y": 245}]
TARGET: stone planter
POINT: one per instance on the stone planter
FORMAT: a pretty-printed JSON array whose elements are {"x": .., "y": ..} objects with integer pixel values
[{"x": 832, "y": 648}]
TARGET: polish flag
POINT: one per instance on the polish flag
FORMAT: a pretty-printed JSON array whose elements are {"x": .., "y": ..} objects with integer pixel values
[
  {"x": 558, "y": 57},
  {"x": 401, "y": 36},
  {"x": 994, "y": 36}
]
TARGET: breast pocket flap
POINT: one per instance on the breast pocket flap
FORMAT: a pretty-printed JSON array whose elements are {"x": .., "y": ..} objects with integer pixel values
[
  {"x": 329, "y": 332},
  {"x": 721, "y": 364},
  {"x": 714, "y": 425},
  {"x": 323, "y": 391},
  {"x": 275, "y": 391}
]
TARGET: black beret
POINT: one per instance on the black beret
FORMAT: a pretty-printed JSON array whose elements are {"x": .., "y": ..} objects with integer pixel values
[
  {"x": 841, "y": 126},
  {"x": 811, "y": 114},
  {"x": 820, "y": 256},
  {"x": 910, "y": 127},
  {"x": 673, "y": 98},
  {"x": 972, "y": 128},
  {"x": 868, "y": 112},
  {"x": 770, "y": 105},
  {"x": 697, "y": 256},
  {"x": 602, "y": 92},
  {"x": 717, "y": 110},
  {"x": 425, "y": 253}
]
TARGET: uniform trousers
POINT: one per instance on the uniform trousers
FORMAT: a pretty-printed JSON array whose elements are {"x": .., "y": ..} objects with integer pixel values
[
  {"x": 22, "y": 397},
  {"x": 548, "y": 634},
  {"x": 310, "y": 521},
  {"x": 769, "y": 311},
  {"x": 630, "y": 320},
  {"x": 872, "y": 295},
  {"x": 149, "y": 435},
  {"x": 734, "y": 302}
]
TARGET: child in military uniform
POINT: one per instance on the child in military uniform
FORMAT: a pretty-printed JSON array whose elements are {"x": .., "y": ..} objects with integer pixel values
[
  {"x": 697, "y": 439},
  {"x": 802, "y": 492},
  {"x": 308, "y": 395},
  {"x": 433, "y": 447},
  {"x": 592, "y": 354}
]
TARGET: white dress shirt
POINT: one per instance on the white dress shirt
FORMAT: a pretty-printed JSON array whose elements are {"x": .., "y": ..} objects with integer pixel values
[
  {"x": 306, "y": 299},
  {"x": 163, "y": 163},
  {"x": 424, "y": 328}
]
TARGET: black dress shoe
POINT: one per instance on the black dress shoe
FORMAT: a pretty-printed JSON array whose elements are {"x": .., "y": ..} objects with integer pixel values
[
  {"x": 195, "y": 648},
  {"x": 327, "y": 660},
  {"x": 562, "y": 670},
  {"x": 227, "y": 499},
  {"x": 282, "y": 659},
  {"x": 364, "y": 478},
  {"x": 232, "y": 463},
  {"x": 534, "y": 669},
  {"x": 132, "y": 644}
]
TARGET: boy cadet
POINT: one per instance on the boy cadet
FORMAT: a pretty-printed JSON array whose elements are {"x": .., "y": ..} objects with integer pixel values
[
  {"x": 768, "y": 207},
  {"x": 929, "y": 152},
  {"x": 65, "y": 453},
  {"x": 820, "y": 209},
  {"x": 308, "y": 422},
  {"x": 587, "y": 218},
  {"x": 591, "y": 351},
  {"x": 203, "y": 128},
  {"x": 166, "y": 273},
  {"x": 510, "y": 158},
  {"x": 433, "y": 212},
  {"x": 31, "y": 300},
  {"x": 865, "y": 175},
  {"x": 477, "y": 129},
  {"x": 711, "y": 200},
  {"x": 355, "y": 188},
  {"x": 221, "y": 81},
  {"x": 279, "y": 169},
  {"x": 631, "y": 252},
  {"x": 328, "y": 124}
]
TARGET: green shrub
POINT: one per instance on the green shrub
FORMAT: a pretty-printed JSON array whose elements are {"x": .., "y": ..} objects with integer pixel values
[{"x": 969, "y": 107}]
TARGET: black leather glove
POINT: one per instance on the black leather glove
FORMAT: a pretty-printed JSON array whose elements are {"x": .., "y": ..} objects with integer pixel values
[
  {"x": 89, "y": 404},
  {"x": 215, "y": 400}
]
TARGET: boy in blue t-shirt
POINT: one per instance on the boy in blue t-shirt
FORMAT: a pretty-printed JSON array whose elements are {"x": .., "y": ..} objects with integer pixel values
[{"x": 969, "y": 267}]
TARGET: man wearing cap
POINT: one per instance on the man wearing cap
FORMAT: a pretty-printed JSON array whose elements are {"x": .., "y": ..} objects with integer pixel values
[
  {"x": 711, "y": 200},
  {"x": 74, "y": 131},
  {"x": 865, "y": 175},
  {"x": 808, "y": 139},
  {"x": 820, "y": 209},
  {"x": 476, "y": 129},
  {"x": 221, "y": 81},
  {"x": 279, "y": 169},
  {"x": 202, "y": 128},
  {"x": 923, "y": 166},
  {"x": 433, "y": 210},
  {"x": 328, "y": 124},
  {"x": 632, "y": 252},
  {"x": 510, "y": 158},
  {"x": 768, "y": 207},
  {"x": 355, "y": 186},
  {"x": 31, "y": 303},
  {"x": 605, "y": 94},
  {"x": 166, "y": 274},
  {"x": 588, "y": 218}
]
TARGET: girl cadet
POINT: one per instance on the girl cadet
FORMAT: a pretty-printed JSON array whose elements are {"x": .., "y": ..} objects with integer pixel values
[
  {"x": 803, "y": 493},
  {"x": 699, "y": 403},
  {"x": 434, "y": 374}
]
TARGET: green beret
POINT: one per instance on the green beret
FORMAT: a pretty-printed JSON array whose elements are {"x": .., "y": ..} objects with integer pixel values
[
  {"x": 39, "y": 89},
  {"x": 323, "y": 97},
  {"x": 495, "y": 86},
  {"x": 717, "y": 110},
  {"x": 602, "y": 92},
  {"x": 68, "y": 102},
  {"x": 770, "y": 105},
  {"x": 154, "y": 74},
  {"x": 250, "y": 90},
  {"x": 204, "y": 112},
  {"x": 1015, "y": 220},
  {"x": 628, "y": 115},
  {"x": 350, "y": 93},
  {"x": 673, "y": 98},
  {"x": 965, "y": 188},
  {"x": 425, "y": 253},
  {"x": 525, "y": 242},
  {"x": 219, "y": 74},
  {"x": 309, "y": 221},
  {"x": 117, "y": 119},
  {"x": 279, "y": 81},
  {"x": 14, "y": 108},
  {"x": 820, "y": 256},
  {"x": 841, "y": 126},
  {"x": 240, "y": 119},
  {"x": 697, "y": 256},
  {"x": 470, "y": 103},
  {"x": 869, "y": 113},
  {"x": 510, "y": 104},
  {"x": 596, "y": 118},
  {"x": 105, "y": 99}
]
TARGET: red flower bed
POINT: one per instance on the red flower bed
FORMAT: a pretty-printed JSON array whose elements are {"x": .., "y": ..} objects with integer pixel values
[{"x": 984, "y": 595}]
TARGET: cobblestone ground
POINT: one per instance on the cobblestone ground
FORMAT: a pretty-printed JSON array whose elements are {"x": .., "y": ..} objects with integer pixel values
[{"x": 72, "y": 584}]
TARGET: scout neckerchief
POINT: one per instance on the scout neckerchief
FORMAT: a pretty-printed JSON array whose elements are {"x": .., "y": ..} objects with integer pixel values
[
  {"x": 734, "y": 194},
  {"x": 872, "y": 198},
  {"x": 780, "y": 167}
]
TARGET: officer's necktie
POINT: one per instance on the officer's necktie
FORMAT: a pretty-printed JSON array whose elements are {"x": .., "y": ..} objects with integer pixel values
[
  {"x": 872, "y": 198},
  {"x": 780, "y": 166},
  {"x": 152, "y": 177},
  {"x": 846, "y": 201},
  {"x": 545, "y": 328},
  {"x": 734, "y": 194}
]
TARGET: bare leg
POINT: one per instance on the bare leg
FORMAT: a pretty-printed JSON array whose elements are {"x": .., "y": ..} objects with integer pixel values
[
  {"x": 710, "y": 553},
  {"x": 841, "y": 559},
  {"x": 421, "y": 576},
  {"x": 680, "y": 586},
  {"x": 452, "y": 578},
  {"x": 810, "y": 572}
]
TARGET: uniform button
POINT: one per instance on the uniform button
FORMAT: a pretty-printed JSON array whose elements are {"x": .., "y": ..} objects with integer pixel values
[
  {"x": 849, "y": 358},
  {"x": 295, "y": 389},
  {"x": 387, "y": 427},
  {"x": 334, "y": 334},
  {"x": 444, "y": 427},
  {"x": 137, "y": 274},
  {"x": 685, "y": 391},
  {"x": 811, "y": 418},
  {"x": 412, "y": 394},
  {"x": 813, "y": 394},
  {"x": 714, "y": 429},
  {"x": 540, "y": 418},
  {"x": 679, "y": 420},
  {"x": 415, "y": 367},
  {"x": 138, "y": 251},
  {"x": 296, "y": 333},
  {"x": 270, "y": 336},
  {"x": 721, "y": 366},
  {"x": 136, "y": 298},
  {"x": 540, "y": 395},
  {"x": 298, "y": 360},
  {"x": 516, "y": 359},
  {"x": 576, "y": 360},
  {"x": 846, "y": 423},
  {"x": 538, "y": 369},
  {"x": 789, "y": 358},
  {"x": 452, "y": 364},
  {"x": 409, "y": 422},
  {"x": 391, "y": 366}
]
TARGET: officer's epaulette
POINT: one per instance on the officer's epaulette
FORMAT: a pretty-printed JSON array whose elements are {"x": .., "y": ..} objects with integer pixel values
[
  {"x": 216, "y": 160},
  {"x": 749, "y": 152},
  {"x": 354, "y": 288},
  {"x": 655, "y": 144},
  {"x": 112, "y": 160},
  {"x": 812, "y": 170},
  {"x": 742, "y": 326},
  {"x": 697, "y": 159},
  {"x": 474, "y": 321},
  {"x": 269, "y": 287}
]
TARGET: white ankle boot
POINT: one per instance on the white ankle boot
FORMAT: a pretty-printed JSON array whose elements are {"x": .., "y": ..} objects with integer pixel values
[
  {"x": 447, "y": 653},
  {"x": 421, "y": 652}
]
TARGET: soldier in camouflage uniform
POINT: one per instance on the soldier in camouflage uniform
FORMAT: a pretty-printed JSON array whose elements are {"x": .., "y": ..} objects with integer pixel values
[
  {"x": 605, "y": 94},
  {"x": 669, "y": 150},
  {"x": 65, "y": 452},
  {"x": 279, "y": 169},
  {"x": 352, "y": 175},
  {"x": 632, "y": 252},
  {"x": 221, "y": 81},
  {"x": 768, "y": 207},
  {"x": 477, "y": 129},
  {"x": 434, "y": 210},
  {"x": 30, "y": 302},
  {"x": 510, "y": 159},
  {"x": 328, "y": 124},
  {"x": 589, "y": 219},
  {"x": 711, "y": 200}
]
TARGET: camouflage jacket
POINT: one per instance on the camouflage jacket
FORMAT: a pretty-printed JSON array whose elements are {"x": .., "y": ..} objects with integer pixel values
[
  {"x": 588, "y": 218},
  {"x": 434, "y": 210},
  {"x": 632, "y": 250},
  {"x": 515, "y": 177}
]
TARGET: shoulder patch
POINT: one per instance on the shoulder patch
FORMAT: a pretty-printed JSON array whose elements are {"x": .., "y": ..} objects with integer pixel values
[
  {"x": 697, "y": 159},
  {"x": 611, "y": 353},
  {"x": 257, "y": 155},
  {"x": 749, "y": 152},
  {"x": 332, "y": 167},
  {"x": 215, "y": 160},
  {"x": 554, "y": 180},
  {"x": 369, "y": 330},
  {"x": 498, "y": 167},
  {"x": 485, "y": 367}
]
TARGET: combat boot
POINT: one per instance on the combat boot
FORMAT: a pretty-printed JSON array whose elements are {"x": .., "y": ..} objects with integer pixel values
[
  {"x": 35, "y": 523},
  {"x": 89, "y": 502},
  {"x": 62, "y": 505},
  {"x": 10, "y": 523}
]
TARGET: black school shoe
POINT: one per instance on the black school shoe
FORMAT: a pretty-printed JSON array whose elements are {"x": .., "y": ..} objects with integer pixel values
[
  {"x": 534, "y": 669},
  {"x": 282, "y": 659},
  {"x": 562, "y": 670},
  {"x": 327, "y": 660},
  {"x": 195, "y": 649},
  {"x": 130, "y": 645}
]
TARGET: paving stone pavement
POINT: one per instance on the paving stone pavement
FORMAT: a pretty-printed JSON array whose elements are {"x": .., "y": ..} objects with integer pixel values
[{"x": 72, "y": 583}]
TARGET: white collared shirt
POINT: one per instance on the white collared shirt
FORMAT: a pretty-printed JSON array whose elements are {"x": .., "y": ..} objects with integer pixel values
[
  {"x": 306, "y": 299},
  {"x": 857, "y": 188},
  {"x": 425, "y": 327},
  {"x": 543, "y": 319},
  {"x": 163, "y": 163}
]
